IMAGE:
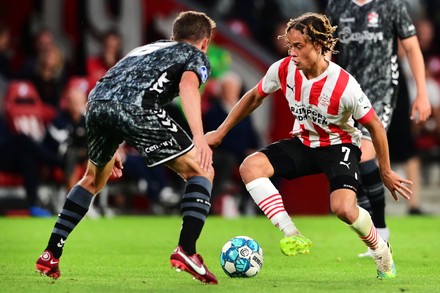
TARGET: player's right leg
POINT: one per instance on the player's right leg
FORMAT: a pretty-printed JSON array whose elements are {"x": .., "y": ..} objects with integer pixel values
[
  {"x": 255, "y": 171},
  {"x": 193, "y": 264}
]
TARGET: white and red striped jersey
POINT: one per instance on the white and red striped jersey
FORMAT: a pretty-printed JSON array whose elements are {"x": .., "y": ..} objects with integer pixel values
[{"x": 324, "y": 106}]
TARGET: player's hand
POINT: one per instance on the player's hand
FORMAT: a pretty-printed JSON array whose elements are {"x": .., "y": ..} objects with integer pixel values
[
  {"x": 421, "y": 109},
  {"x": 117, "y": 166},
  {"x": 397, "y": 184},
  {"x": 204, "y": 153},
  {"x": 213, "y": 139}
]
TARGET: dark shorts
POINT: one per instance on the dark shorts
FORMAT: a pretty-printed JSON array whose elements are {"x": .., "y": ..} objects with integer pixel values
[
  {"x": 156, "y": 136},
  {"x": 291, "y": 159},
  {"x": 401, "y": 139}
]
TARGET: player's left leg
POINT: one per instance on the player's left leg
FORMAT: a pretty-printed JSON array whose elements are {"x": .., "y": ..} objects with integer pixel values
[
  {"x": 381, "y": 250},
  {"x": 74, "y": 209},
  {"x": 373, "y": 190},
  {"x": 343, "y": 204}
]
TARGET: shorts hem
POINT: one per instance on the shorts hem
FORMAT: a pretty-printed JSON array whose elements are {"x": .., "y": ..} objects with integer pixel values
[{"x": 172, "y": 157}]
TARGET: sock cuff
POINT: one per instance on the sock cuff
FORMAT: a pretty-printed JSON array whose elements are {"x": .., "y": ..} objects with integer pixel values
[
  {"x": 257, "y": 182},
  {"x": 261, "y": 189},
  {"x": 202, "y": 181},
  {"x": 80, "y": 196},
  {"x": 363, "y": 223}
]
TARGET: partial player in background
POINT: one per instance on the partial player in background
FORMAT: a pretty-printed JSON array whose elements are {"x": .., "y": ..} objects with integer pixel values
[
  {"x": 368, "y": 33},
  {"x": 325, "y": 100},
  {"x": 127, "y": 105}
]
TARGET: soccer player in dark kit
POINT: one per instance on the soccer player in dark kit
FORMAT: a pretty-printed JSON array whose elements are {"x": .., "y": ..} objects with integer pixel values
[
  {"x": 127, "y": 105},
  {"x": 368, "y": 32}
]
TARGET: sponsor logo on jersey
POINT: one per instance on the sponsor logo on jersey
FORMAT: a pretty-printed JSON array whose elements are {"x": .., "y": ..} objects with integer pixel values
[
  {"x": 302, "y": 113},
  {"x": 346, "y": 36}
]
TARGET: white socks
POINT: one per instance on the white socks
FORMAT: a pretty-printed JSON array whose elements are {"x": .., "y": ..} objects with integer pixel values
[
  {"x": 269, "y": 200},
  {"x": 364, "y": 227},
  {"x": 384, "y": 233}
]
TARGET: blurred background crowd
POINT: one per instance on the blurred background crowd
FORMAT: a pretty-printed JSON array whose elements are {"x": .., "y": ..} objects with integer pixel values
[{"x": 52, "y": 52}]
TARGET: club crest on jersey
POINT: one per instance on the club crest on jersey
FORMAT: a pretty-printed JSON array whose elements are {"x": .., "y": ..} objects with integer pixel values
[
  {"x": 324, "y": 100},
  {"x": 373, "y": 19},
  {"x": 203, "y": 73}
]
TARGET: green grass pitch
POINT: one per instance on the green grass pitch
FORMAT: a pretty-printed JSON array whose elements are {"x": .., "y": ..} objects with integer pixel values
[{"x": 131, "y": 254}]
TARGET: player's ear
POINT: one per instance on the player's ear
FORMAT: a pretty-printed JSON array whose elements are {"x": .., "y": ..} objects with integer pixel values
[
  {"x": 204, "y": 45},
  {"x": 318, "y": 48}
]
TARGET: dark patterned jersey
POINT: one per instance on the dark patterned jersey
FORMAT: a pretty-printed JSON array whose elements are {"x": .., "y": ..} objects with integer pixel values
[
  {"x": 151, "y": 74},
  {"x": 368, "y": 36}
]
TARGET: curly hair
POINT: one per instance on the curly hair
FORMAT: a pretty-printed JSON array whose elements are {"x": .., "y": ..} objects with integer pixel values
[{"x": 317, "y": 28}]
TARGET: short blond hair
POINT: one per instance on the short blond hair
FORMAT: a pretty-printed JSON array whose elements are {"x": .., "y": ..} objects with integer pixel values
[{"x": 192, "y": 26}]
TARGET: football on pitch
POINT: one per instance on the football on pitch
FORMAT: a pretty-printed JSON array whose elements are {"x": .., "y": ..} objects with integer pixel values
[{"x": 241, "y": 257}]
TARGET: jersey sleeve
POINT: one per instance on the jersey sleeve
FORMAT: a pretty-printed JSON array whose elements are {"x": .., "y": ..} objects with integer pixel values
[
  {"x": 199, "y": 64},
  {"x": 403, "y": 23},
  {"x": 359, "y": 104},
  {"x": 270, "y": 82}
]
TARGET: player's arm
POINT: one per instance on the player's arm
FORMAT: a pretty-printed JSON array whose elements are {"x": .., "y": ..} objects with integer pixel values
[
  {"x": 245, "y": 106},
  {"x": 391, "y": 180},
  {"x": 191, "y": 104},
  {"x": 421, "y": 108},
  {"x": 248, "y": 103}
]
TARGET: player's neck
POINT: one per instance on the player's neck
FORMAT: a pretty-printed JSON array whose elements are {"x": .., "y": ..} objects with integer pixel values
[{"x": 317, "y": 69}]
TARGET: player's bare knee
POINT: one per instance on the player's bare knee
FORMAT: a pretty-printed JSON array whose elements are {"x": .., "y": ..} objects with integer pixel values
[
  {"x": 343, "y": 190},
  {"x": 247, "y": 167},
  {"x": 211, "y": 173},
  {"x": 343, "y": 210},
  {"x": 255, "y": 166},
  {"x": 191, "y": 169},
  {"x": 208, "y": 174}
]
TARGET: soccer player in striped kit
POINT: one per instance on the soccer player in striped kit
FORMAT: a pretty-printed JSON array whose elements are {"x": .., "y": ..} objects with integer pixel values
[
  {"x": 324, "y": 100},
  {"x": 368, "y": 32}
]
